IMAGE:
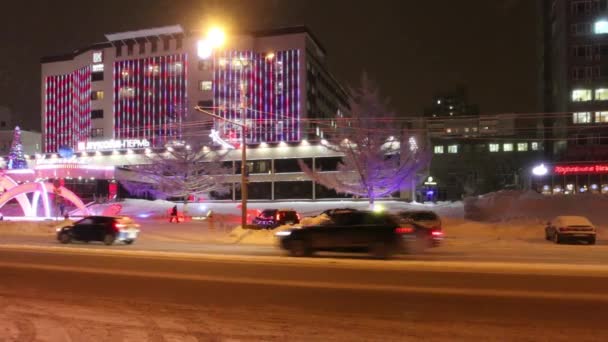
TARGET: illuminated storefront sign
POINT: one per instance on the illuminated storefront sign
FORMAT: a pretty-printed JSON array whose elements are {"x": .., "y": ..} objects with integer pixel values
[
  {"x": 113, "y": 144},
  {"x": 580, "y": 169}
]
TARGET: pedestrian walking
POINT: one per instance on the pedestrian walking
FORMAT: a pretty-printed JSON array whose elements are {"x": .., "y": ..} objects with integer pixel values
[{"x": 174, "y": 215}]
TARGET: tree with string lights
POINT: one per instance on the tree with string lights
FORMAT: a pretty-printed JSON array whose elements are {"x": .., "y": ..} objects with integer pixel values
[
  {"x": 375, "y": 162},
  {"x": 185, "y": 169},
  {"x": 16, "y": 157}
]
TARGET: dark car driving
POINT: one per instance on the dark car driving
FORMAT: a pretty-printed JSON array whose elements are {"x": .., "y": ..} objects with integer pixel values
[
  {"x": 272, "y": 218},
  {"x": 380, "y": 234},
  {"x": 107, "y": 229}
]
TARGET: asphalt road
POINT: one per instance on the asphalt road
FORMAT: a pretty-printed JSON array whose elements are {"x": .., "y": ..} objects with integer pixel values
[
  {"x": 472, "y": 250},
  {"x": 70, "y": 295}
]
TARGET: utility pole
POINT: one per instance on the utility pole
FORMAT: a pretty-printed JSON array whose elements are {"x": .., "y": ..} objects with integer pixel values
[{"x": 244, "y": 180}]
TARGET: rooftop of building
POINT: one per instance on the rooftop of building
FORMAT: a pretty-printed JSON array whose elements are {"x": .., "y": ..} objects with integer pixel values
[{"x": 175, "y": 30}]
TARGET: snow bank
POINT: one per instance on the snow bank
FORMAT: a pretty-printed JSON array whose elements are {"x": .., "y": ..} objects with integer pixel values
[
  {"x": 31, "y": 228},
  {"x": 519, "y": 205}
]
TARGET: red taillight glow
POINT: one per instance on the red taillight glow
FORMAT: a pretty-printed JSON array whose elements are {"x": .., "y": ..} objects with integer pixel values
[
  {"x": 119, "y": 225},
  {"x": 563, "y": 229},
  {"x": 278, "y": 218},
  {"x": 437, "y": 233},
  {"x": 299, "y": 217},
  {"x": 404, "y": 230}
]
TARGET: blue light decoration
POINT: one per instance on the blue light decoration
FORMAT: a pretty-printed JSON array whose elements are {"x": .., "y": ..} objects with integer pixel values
[{"x": 66, "y": 152}]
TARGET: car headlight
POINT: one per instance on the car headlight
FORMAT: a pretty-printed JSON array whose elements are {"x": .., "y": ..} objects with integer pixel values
[
  {"x": 58, "y": 229},
  {"x": 283, "y": 233}
]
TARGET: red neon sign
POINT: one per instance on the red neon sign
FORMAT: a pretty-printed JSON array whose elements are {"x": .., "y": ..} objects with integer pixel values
[{"x": 580, "y": 169}]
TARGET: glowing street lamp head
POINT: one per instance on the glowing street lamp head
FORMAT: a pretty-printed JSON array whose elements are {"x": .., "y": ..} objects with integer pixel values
[
  {"x": 204, "y": 49},
  {"x": 216, "y": 37}
]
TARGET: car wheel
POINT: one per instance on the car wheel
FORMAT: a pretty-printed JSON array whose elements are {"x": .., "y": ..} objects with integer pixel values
[
  {"x": 108, "y": 239},
  {"x": 299, "y": 248},
  {"x": 380, "y": 250},
  {"x": 128, "y": 242},
  {"x": 65, "y": 238},
  {"x": 556, "y": 238},
  {"x": 591, "y": 241}
]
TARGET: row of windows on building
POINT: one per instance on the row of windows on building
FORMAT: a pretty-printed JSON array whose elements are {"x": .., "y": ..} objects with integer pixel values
[
  {"x": 586, "y": 28},
  {"x": 493, "y": 147},
  {"x": 141, "y": 46},
  {"x": 588, "y": 117},
  {"x": 584, "y": 95},
  {"x": 579, "y": 7}
]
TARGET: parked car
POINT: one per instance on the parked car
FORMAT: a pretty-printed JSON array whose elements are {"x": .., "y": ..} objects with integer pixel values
[
  {"x": 107, "y": 229},
  {"x": 380, "y": 234},
  {"x": 272, "y": 218},
  {"x": 428, "y": 220},
  {"x": 564, "y": 228}
]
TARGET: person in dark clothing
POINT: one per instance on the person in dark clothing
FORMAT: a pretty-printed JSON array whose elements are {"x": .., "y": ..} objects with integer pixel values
[{"x": 174, "y": 215}]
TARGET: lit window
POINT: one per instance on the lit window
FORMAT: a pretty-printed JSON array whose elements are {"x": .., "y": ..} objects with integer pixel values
[
  {"x": 126, "y": 92},
  {"x": 466, "y": 129},
  {"x": 448, "y": 130},
  {"x": 494, "y": 147},
  {"x": 438, "y": 149},
  {"x": 600, "y": 27},
  {"x": 508, "y": 147},
  {"x": 601, "y": 94},
  {"x": 97, "y": 95},
  {"x": 601, "y": 116},
  {"x": 579, "y": 95},
  {"x": 453, "y": 149},
  {"x": 279, "y": 88},
  {"x": 522, "y": 147},
  {"x": 474, "y": 129},
  {"x": 205, "y": 85},
  {"x": 581, "y": 117},
  {"x": 153, "y": 69},
  {"x": 534, "y": 146}
]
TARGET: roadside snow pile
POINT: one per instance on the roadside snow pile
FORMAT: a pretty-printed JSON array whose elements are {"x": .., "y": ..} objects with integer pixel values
[
  {"x": 35, "y": 228},
  {"x": 512, "y": 205}
]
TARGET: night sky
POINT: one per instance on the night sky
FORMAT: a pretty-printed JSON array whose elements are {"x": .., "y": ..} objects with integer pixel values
[{"x": 412, "y": 49}]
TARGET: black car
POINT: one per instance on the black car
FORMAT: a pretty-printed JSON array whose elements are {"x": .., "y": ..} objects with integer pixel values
[
  {"x": 272, "y": 218},
  {"x": 380, "y": 234},
  {"x": 107, "y": 229}
]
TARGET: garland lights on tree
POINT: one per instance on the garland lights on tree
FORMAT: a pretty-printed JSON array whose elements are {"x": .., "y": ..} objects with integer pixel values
[
  {"x": 375, "y": 162},
  {"x": 16, "y": 157}
]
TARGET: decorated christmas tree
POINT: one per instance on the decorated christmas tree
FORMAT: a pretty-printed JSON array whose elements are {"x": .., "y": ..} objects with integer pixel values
[{"x": 16, "y": 158}]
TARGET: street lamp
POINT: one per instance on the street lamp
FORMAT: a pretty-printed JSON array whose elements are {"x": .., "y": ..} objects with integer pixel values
[{"x": 215, "y": 39}]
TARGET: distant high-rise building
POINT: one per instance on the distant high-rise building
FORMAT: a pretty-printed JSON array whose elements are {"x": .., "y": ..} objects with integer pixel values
[{"x": 574, "y": 78}]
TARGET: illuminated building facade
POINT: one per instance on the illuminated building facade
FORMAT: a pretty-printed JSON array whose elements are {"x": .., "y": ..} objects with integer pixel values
[{"x": 145, "y": 84}]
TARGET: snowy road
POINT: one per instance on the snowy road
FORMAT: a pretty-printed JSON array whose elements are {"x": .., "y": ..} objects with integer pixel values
[
  {"x": 461, "y": 249},
  {"x": 69, "y": 295}
]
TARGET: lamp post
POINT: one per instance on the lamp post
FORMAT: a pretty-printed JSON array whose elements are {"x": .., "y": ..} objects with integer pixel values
[{"x": 215, "y": 39}]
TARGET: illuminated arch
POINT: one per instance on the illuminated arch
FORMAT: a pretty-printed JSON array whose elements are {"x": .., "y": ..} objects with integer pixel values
[
  {"x": 41, "y": 188},
  {"x": 9, "y": 183}
]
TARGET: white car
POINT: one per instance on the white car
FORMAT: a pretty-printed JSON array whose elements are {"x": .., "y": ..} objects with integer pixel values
[{"x": 563, "y": 228}]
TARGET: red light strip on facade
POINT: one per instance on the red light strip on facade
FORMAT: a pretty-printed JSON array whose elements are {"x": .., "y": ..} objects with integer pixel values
[{"x": 580, "y": 169}]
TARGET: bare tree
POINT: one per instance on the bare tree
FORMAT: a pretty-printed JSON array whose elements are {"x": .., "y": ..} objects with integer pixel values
[
  {"x": 379, "y": 157},
  {"x": 187, "y": 168}
]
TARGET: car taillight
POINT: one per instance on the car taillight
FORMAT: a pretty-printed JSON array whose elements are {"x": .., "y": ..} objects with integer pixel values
[
  {"x": 299, "y": 217},
  {"x": 437, "y": 233},
  {"x": 277, "y": 218},
  {"x": 404, "y": 230},
  {"x": 563, "y": 229}
]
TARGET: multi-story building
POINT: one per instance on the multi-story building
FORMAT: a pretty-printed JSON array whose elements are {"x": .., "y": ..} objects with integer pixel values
[
  {"x": 137, "y": 91},
  {"x": 475, "y": 154},
  {"x": 574, "y": 73},
  {"x": 145, "y": 84}
]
